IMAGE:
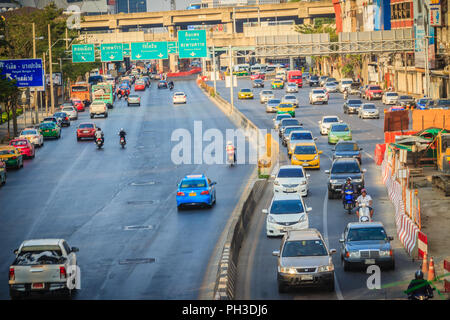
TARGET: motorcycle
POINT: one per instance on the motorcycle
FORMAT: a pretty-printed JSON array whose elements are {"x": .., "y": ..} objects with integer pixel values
[
  {"x": 99, "y": 143},
  {"x": 122, "y": 142},
  {"x": 345, "y": 94},
  {"x": 230, "y": 158},
  {"x": 349, "y": 201},
  {"x": 171, "y": 87},
  {"x": 364, "y": 213},
  {"x": 119, "y": 96}
]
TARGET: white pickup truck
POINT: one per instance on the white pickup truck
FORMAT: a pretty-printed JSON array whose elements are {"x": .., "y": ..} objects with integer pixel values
[
  {"x": 44, "y": 266},
  {"x": 98, "y": 107}
]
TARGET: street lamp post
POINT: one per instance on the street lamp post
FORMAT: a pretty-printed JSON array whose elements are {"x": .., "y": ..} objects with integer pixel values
[{"x": 52, "y": 96}]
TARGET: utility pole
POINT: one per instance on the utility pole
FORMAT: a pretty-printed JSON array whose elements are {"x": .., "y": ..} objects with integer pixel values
[
  {"x": 67, "y": 40},
  {"x": 36, "y": 115},
  {"x": 62, "y": 78},
  {"x": 45, "y": 86},
  {"x": 52, "y": 94},
  {"x": 231, "y": 80},
  {"x": 214, "y": 68}
]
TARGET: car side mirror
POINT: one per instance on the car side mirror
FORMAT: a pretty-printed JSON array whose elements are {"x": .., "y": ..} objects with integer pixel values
[
  {"x": 319, "y": 122},
  {"x": 308, "y": 209},
  {"x": 320, "y": 152},
  {"x": 276, "y": 253},
  {"x": 332, "y": 251},
  {"x": 341, "y": 240},
  {"x": 16, "y": 251},
  {"x": 308, "y": 175},
  {"x": 272, "y": 176},
  {"x": 340, "y": 120},
  {"x": 315, "y": 139},
  {"x": 360, "y": 149},
  {"x": 265, "y": 211},
  {"x": 75, "y": 249},
  {"x": 334, "y": 149},
  {"x": 213, "y": 183},
  {"x": 390, "y": 238},
  {"x": 327, "y": 171},
  {"x": 364, "y": 170}
]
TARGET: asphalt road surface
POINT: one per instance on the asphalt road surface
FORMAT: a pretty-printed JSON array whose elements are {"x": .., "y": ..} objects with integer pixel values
[
  {"x": 118, "y": 205},
  {"x": 257, "y": 267}
]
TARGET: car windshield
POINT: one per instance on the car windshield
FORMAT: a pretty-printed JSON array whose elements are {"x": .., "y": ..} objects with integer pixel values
[
  {"x": 362, "y": 234},
  {"x": 289, "y": 122},
  {"x": 347, "y": 82},
  {"x": 67, "y": 109},
  {"x": 286, "y": 105},
  {"x": 257, "y": 81},
  {"x": 330, "y": 84},
  {"x": 28, "y": 132},
  {"x": 314, "y": 78},
  {"x": 267, "y": 92},
  {"x": 347, "y": 147},
  {"x": 304, "y": 248},
  {"x": 305, "y": 150},
  {"x": 353, "y": 102},
  {"x": 369, "y": 106},
  {"x": 340, "y": 128},
  {"x": 133, "y": 96},
  {"x": 329, "y": 120},
  {"x": 199, "y": 183},
  {"x": 8, "y": 151},
  {"x": 290, "y": 173},
  {"x": 301, "y": 136},
  {"x": 375, "y": 88},
  {"x": 79, "y": 88},
  {"x": 391, "y": 94},
  {"x": 345, "y": 167},
  {"x": 60, "y": 115},
  {"x": 286, "y": 207},
  {"x": 290, "y": 97},
  {"x": 288, "y": 130},
  {"x": 86, "y": 126},
  {"x": 405, "y": 98},
  {"x": 274, "y": 101},
  {"x": 318, "y": 92},
  {"x": 283, "y": 116},
  {"x": 49, "y": 119},
  {"x": 47, "y": 125},
  {"x": 246, "y": 90},
  {"x": 423, "y": 101},
  {"x": 443, "y": 102},
  {"x": 19, "y": 143},
  {"x": 331, "y": 79}
]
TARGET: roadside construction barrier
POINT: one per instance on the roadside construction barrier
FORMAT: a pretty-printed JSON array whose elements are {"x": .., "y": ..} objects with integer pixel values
[
  {"x": 425, "y": 264},
  {"x": 446, "y": 282},
  {"x": 422, "y": 245},
  {"x": 431, "y": 273}
]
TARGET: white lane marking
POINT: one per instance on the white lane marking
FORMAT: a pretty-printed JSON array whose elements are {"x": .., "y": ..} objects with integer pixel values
[
  {"x": 325, "y": 233},
  {"x": 369, "y": 155}
]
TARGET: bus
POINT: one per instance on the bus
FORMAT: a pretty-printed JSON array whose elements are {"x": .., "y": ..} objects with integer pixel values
[
  {"x": 80, "y": 90},
  {"x": 296, "y": 77},
  {"x": 104, "y": 92}
]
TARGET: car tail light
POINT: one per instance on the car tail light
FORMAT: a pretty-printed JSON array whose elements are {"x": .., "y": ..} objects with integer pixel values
[
  {"x": 12, "y": 274},
  {"x": 179, "y": 193},
  {"x": 67, "y": 118},
  {"x": 347, "y": 254},
  {"x": 204, "y": 192},
  {"x": 391, "y": 253},
  {"x": 62, "y": 273}
]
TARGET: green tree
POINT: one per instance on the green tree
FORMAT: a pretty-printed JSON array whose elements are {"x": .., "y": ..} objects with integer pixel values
[{"x": 9, "y": 96}]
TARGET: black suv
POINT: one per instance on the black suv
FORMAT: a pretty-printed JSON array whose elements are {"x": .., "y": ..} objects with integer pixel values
[
  {"x": 313, "y": 81},
  {"x": 341, "y": 169},
  {"x": 352, "y": 105}
]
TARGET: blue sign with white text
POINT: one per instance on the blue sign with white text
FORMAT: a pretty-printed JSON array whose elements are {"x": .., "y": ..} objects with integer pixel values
[{"x": 27, "y": 72}]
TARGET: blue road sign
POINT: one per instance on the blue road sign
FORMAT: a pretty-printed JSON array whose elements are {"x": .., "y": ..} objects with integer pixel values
[{"x": 27, "y": 72}]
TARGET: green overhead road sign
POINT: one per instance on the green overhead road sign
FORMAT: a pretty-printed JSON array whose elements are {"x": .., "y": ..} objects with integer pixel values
[
  {"x": 192, "y": 44},
  {"x": 148, "y": 50},
  {"x": 172, "y": 47},
  {"x": 111, "y": 52},
  {"x": 126, "y": 50},
  {"x": 83, "y": 53}
]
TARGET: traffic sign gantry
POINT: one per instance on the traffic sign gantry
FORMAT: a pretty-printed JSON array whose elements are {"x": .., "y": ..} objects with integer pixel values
[
  {"x": 27, "y": 72},
  {"x": 83, "y": 53},
  {"x": 111, "y": 52},
  {"x": 148, "y": 50},
  {"x": 192, "y": 44}
]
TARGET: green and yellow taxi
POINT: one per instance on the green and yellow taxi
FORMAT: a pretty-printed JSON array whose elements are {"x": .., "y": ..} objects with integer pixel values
[
  {"x": 50, "y": 130},
  {"x": 306, "y": 154},
  {"x": 277, "y": 84},
  {"x": 11, "y": 157},
  {"x": 285, "y": 107},
  {"x": 245, "y": 94},
  {"x": 240, "y": 73},
  {"x": 339, "y": 131}
]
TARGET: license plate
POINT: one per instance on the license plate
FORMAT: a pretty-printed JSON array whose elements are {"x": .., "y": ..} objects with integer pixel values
[
  {"x": 47, "y": 130},
  {"x": 307, "y": 277},
  {"x": 305, "y": 164},
  {"x": 290, "y": 190},
  {"x": 85, "y": 131},
  {"x": 369, "y": 261},
  {"x": 37, "y": 285},
  {"x": 192, "y": 194}
]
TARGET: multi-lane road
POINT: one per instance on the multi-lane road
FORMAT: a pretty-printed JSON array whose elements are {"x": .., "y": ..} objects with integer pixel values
[
  {"x": 257, "y": 267},
  {"x": 118, "y": 205}
]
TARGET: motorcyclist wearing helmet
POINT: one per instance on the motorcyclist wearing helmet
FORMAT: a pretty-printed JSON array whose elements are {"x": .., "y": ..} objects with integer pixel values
[
  {"x": 419, "y": 286},
  {"x": 348, "y": 185},
  {"x": 122, "y": 134},
  {"x": 230, "y": 148},
  {"x": 364, "y": 198},
  {"x": 99, "y": 135}
]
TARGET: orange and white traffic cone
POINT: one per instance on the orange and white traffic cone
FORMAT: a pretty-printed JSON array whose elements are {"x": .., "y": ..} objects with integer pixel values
[
  {"x": 425, "y": 263},
  {"x": 431, "y": 273}
]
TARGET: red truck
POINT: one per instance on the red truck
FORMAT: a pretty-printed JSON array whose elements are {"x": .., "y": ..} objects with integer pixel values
[{"x": 296, "y": 77}]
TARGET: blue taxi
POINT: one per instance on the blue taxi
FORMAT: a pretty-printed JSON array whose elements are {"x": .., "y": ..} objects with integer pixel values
[{"x": 196, "y": 189}]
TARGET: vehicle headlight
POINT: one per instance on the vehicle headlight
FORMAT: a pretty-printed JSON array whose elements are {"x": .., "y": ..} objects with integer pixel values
[
  {"x": 333, "y": 181},
  {"x": 385, "y": 253},
  {"x": 288, "y": 270},
  {"x": 276, "y": 183},
  {"x": 325, "y": 268},
  {"x": 270, "y": 219},
  {"x": 357, "y": 180},
  {"x": 316, "y": 157},
  {"x": 354, "y": 254},
  {"x": 303, "y": 182}
]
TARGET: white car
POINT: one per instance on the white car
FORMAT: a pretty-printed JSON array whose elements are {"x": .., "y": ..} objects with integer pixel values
[
  {"x": 286, "y": 212},
  {"x": 368, "y": 110},
  {"x": 98, "y": 107},
  {"x": 318, "y": 95},
  {"x": 33, "y": 135},
  {"x": 290, "y": 99},
  {"x": 326, "y": 123},
  {"x": 344, "y": 84},
  {"x": 179, "y": 97},
  {"x": 278, "y": 118},
  {"x": 331, "y": 86},
  {"x": 291, "y": 179},
  {"x": 71, "y": 112},
  {"x": 291, "y": 87},
  {"x": 266, "y": 95},
  {"x": 390, "y": 98}
]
